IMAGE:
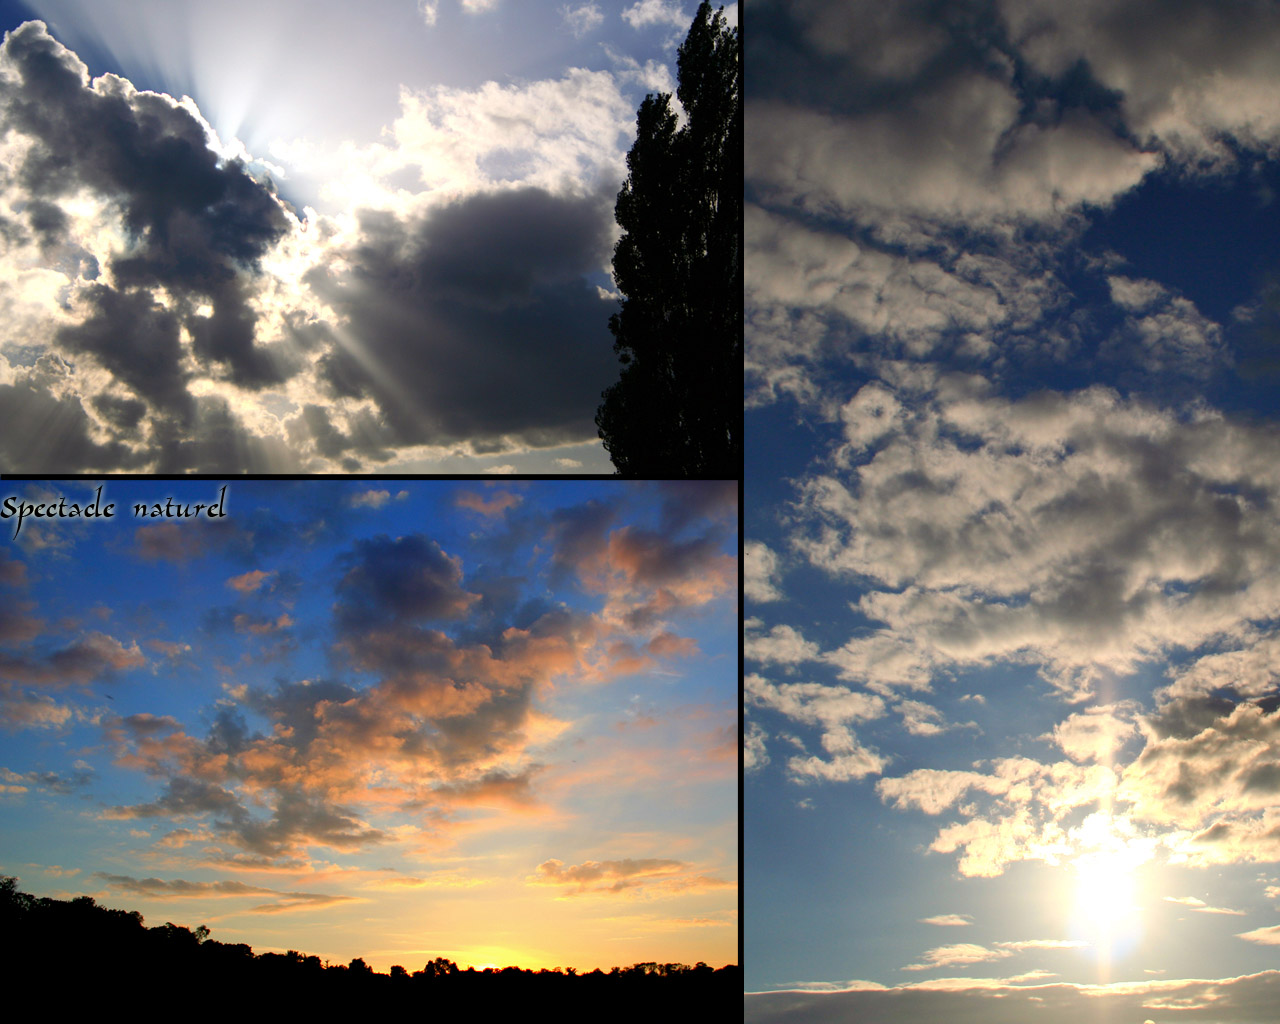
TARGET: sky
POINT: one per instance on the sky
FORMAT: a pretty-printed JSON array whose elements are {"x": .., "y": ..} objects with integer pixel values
[
  {"x": 303, "y": 237},
  {"x": 491, "y": 721},
  {"x": 1012, "y": 734}
]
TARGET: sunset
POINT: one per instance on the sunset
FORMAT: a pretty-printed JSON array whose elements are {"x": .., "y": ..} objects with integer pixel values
[
  {"x": 1012, "y": 721},
  {"x": 391, "y": 720}
]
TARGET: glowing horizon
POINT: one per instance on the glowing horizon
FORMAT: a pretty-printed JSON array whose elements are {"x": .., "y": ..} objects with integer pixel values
[{"x": 393, "y": 720}]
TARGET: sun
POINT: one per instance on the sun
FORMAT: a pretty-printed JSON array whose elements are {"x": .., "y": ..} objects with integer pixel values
[{"x": 1106, "y": 894}]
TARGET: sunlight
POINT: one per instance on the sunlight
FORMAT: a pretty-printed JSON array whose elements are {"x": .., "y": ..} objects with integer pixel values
[{"x": 1105, "y": 902}]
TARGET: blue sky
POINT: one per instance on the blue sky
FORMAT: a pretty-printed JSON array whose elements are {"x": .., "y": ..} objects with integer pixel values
[
  {"x": 399, "y": 719},
  {"x": 343, "y": 240},
  {"x": 1012, "y": 732}
]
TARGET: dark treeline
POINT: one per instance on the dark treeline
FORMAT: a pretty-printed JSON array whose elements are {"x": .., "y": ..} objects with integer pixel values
[{"x": 74, "y": 952}]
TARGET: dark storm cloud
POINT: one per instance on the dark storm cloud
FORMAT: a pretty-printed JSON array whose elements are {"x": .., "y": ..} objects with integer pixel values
[
  {"x": 691, "y": 501},
  {"x": 151, "y": 362},
  {"x": 409, "y": 578},
  {"x": 579, "y": 534},
  {"x": 196, "y": 225},
  {"x": 38, "y": 428},
  {"x": 124, "y": 413},
  {"x": 478, "y": 320}
]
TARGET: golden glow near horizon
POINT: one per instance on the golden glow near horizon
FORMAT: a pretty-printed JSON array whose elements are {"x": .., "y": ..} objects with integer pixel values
[{"x": 533, "y": 764}]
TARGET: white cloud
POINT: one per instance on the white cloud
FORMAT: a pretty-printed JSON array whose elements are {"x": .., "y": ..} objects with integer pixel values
[
  {"x": 920, "y": 719},
  {"x": 1095, "y": 734},
  {"x": 1083, "y": 533},
  {"x": 754, "y": 754},
  {"x": 1200, "y": 907},
  {"x": 656, "y": 12},
  {"x": 582, "y": 19},
  {"x": 959, "y": 955},
  {"x": 948, "y": 920},
  {"x": 1269, "y": 936},
  {"x": 1184, "y": 82},
  {"x": 953, "y": 153},
  {"x": 760, "y": 570},
  {"x": 833, "y": 708},
  {"x": 428, "y": 9},
  {"x": 370, "y": 499},
  {"x": 783, "y": 645}
]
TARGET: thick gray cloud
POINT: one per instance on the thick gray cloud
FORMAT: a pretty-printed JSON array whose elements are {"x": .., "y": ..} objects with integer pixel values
[
  {"x": 456, "y": 316},
  {"x": 401, "y": 580},
  {"x": 197, "y": 224},
  {"x": 166, "y": 311}
]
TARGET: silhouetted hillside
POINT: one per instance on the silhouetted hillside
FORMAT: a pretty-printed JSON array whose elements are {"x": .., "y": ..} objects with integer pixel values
[{"x": 76, "y": 953}]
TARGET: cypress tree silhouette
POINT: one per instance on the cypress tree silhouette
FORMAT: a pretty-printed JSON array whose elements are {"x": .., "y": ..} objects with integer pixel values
[{"x": 676, "y": 410}]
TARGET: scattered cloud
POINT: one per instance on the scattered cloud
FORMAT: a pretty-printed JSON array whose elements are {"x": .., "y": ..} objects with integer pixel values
[
  {"x": 582, "y": 18},
  {"x": 948, "y": 920}
]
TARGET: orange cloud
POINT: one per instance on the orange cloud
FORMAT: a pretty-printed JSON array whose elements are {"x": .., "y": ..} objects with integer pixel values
[
  {"x": 248, "y": 582},
  {"x": 493, "y": 506}
]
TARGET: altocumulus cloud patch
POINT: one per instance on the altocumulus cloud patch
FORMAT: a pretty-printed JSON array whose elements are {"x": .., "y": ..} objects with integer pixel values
[{"x": 1010, "y": 565}]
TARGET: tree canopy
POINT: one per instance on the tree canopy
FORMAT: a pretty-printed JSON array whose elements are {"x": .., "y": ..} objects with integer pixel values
[{"x": 676, "y": 409}]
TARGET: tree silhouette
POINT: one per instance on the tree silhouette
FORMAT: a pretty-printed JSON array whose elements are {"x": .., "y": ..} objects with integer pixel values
[{"x": 676, "y": 410}]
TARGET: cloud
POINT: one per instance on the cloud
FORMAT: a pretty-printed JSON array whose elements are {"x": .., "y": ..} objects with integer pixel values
[
  {"x": 948, "y": 920},
  {"x": 1163, "y": 333},
  {"x": 440, "y": 314},
  {"x": 492, "y": 506},
  {"x": 170, "y": 542},
  {"x": 197, "y": 235},
  {"x": 177, "y": 888},
  {"x": 583, "y": 18},
  {"x": 1039, "y": 543},
  {"x": 1233, "y": 1001},
  {"x": 248, "y": 582},
  {"x": 655, "y": 12},
  {"x": 615, "y": 876},
  {"x": 409, "y": 578},
  {"x": 832, "y": 708},
  {"x": 1263, "y": 936},
  {"x": 50, "y": 781},
  {"x": 429, "y": 9},
  {"x": 1182, "y": 84},
  {"x": 959, "y": 955},
  {"x": 1095, "y": 734},
  {"x": 439, "y": 706},
  {"x": 1200, "y": 907},
  {"x": 200, "y": 324},
  {"x": 81, "y": 661},
  {"x": 370, "y": 499},
  {"x": 761, "y": 568},
  {"x": 783, "y": 645},
  {"x": 754, "y": 754}
]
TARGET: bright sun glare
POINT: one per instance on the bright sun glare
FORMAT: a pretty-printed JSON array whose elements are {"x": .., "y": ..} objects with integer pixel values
[{"x": 1105, "y": 911}]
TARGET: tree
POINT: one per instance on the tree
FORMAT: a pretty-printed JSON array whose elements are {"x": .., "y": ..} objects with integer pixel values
[{"x": 676, "y": 409}]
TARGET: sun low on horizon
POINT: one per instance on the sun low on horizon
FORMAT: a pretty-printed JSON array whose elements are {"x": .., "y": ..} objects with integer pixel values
[{"x": 489, "y": 721}]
